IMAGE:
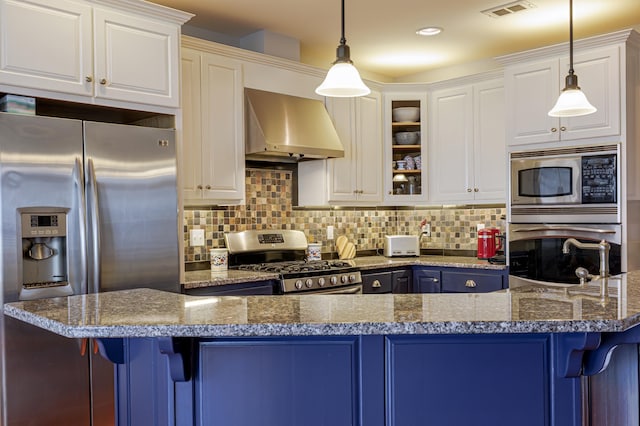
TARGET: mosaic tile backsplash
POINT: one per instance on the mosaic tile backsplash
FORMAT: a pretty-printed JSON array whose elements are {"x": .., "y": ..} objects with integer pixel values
[{"x": 269, "y": 206}]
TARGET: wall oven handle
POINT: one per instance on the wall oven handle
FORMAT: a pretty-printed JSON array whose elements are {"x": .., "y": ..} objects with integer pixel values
[{"x": 565, "y": 228}]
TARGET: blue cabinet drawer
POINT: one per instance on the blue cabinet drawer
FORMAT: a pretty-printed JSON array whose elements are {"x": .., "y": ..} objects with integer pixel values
[
  {"x": 471, "y": 282},
  {"x": 379, "y": 282}
]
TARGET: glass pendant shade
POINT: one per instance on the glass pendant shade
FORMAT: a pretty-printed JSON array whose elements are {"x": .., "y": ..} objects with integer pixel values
[
  {"x": 343, "y": 81},
  {"x": 572, "y": 103}
]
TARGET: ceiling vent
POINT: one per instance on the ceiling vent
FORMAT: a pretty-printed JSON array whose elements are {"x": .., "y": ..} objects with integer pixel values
[{"x": 508, "y": 9}]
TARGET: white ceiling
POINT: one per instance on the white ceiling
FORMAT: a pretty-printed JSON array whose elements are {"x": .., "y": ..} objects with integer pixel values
[{"x": 382, "y": 36}]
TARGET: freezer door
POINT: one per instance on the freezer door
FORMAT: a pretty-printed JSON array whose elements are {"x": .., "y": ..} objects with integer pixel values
[
  {"x": 40, "y": 170},
  {"x": 132, "y": 207}
]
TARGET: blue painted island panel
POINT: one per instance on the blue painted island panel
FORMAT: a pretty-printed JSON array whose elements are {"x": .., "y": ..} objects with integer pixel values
[
  {"x": 468, "y": 380},
  {"x": 324, "y": 381}
]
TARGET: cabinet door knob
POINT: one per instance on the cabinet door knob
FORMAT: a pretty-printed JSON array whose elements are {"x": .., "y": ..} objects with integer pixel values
[
  {"x": 553, "y": 130},
  {"x": 562, "y": 129},
  {"x": 88, "y": 79},
  {"x": 208, "y": 187},
  {"x": 199, "y": 186},
  {"x": 470, "y": 283},
  {"x": 476, "y": 190},
  {"x": 468, "y": 189},
  {"x": 376, "y": 284},
  {"x": 435, "y": 280},
  {"x": 103, "y": 81}
]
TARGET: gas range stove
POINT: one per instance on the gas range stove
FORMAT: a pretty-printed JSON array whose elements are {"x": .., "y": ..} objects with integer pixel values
[{"x": 283, "y": 252}]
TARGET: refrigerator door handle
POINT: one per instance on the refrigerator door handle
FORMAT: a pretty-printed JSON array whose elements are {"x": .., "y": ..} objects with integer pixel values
[
  {"x": 82, "y": 231},
  {"x": 94, "y": 218}
]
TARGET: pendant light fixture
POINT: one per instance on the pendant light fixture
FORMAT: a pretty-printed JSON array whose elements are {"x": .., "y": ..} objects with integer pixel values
[
  {"x": 572, "y": 101},
  {"x": 343, "y": 79}
]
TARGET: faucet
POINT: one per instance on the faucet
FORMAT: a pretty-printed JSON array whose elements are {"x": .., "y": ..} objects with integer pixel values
[{"x": 603, "y": 247}]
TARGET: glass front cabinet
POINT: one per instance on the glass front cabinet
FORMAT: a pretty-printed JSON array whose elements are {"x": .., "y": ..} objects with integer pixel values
[{"x": 405, "y": 140}]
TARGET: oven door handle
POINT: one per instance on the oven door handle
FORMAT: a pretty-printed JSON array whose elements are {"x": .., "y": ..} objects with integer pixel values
[
  {"x": 356, "y": 289},
  {"x": 565, "y": 228}
]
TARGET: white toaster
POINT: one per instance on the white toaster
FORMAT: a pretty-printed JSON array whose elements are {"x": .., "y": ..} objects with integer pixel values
[{"x": 401, "y": 245}]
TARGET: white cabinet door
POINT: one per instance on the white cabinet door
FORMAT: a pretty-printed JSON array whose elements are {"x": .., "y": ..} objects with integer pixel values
[
  {"x": 356, "y": 177},
  {"x": 369, "y": 147},
  {"x": 46, "y": 44},
  {"x": 489, "y": 148},
  {"x": 134, "y": 58},
  {"x": 222, "y": 129},
  {"x": 467, "y": 151},
  {"x": 533, "y": 88},
  {"x": 191, "y": 158},
  {"x": 451, "y": 144},
  {"x": 213, "y": 142},
  {"x": 599, "y": 76},
  {"x": 531, "y": 91}
]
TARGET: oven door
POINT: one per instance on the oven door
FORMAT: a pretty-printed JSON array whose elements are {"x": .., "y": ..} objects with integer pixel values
[{"x": 535, "y": 251}]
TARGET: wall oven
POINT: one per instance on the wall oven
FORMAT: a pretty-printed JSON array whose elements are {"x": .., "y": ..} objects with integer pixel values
[
  {"x": 566, "y": 185},
  {"x": 535, "y": 251}
]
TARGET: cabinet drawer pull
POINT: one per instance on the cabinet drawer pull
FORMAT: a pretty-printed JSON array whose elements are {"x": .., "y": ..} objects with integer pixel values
[
  {"x": 376, "y": 284},
  {"x": 562, "y": 129},
  {"x": 468, "y": 189},
  {"x": 470, "y": 284},
  {"x": 88, "y": 79},
  {"x": 435, "y": 280},
  {"x": 553, "y": 130},
  {"x": 103, "y": 81}
]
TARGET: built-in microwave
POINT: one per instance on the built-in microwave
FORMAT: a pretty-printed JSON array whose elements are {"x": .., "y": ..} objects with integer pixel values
[{"x": 565, "y": 185}]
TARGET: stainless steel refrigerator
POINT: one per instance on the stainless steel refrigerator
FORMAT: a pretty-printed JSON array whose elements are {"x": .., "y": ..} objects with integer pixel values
[{"x": 86, "y": 207}]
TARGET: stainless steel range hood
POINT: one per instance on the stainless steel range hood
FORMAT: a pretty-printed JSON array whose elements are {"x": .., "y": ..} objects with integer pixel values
[{"x": 288, "y": 128}]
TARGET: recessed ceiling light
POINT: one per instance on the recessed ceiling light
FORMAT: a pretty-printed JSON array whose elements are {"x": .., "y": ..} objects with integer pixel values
[{"x": 429, "y": 31}]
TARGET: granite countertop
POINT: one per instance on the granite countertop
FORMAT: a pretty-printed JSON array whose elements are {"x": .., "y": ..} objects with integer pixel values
[
  {"x": 533, "y": 308},
  {"x": 208, "y": 278}
]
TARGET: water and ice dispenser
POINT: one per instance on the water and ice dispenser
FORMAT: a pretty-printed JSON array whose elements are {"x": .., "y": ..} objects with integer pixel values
[{"x": 44, "y": 255}]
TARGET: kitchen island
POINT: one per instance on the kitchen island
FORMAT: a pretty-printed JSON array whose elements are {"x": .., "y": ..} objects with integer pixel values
[{"x": 503, "y": 358}]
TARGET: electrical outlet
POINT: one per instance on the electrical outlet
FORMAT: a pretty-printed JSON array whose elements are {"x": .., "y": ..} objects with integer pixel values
[
  {"x": 479, "y": 226},
  {"x": 330, "y": 232},
  {"x": 196, "y": 237},
  {"x": 426, "y": 229}
]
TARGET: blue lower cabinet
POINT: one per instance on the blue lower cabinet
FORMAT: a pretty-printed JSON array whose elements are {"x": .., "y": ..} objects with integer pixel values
[
  {"x": 478, "y": 380},
  {"x": 327, "y": 381},
  {"x": 426, "y": 280}
]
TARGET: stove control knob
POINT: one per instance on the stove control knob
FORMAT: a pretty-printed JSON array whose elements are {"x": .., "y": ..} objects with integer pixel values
[
  {"x": 344, "y": 279},
  {"x": 298, "y": 284},
  {"x": 308, "y": 283},
  {"x": 321, "y": 282},
  {"x": 334, "y": 280},
  {"x": 352, "y": 278}
]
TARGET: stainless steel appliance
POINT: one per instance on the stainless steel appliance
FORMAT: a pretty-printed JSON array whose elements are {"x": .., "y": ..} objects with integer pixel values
[
  {"x": 566, "y": 185},
  {"x": 536, "y": 251},
  {"x": 283, "y": 252},
  {"x": 86, "y": 207}
]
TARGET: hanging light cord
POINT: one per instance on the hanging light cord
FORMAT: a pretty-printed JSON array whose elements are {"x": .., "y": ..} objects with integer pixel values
[
  {"x": 343, "y": 40},
  {"x": 570, "y": 37}
]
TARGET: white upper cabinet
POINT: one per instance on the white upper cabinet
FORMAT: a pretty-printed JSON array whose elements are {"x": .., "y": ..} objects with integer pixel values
[
  {"x": 213, "y": 170},
  {"x": 532, "y": 89},
  {"x": 467, "y": 151},
  {"x": 355, "y": 178},
  {"x": 101, "y": 53}
]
